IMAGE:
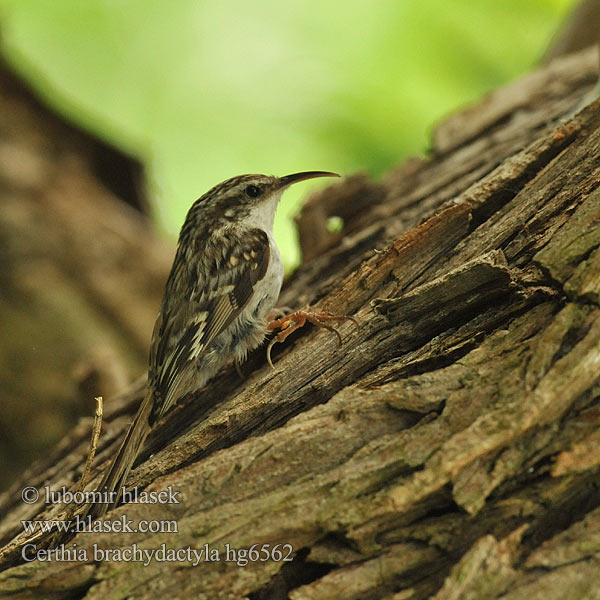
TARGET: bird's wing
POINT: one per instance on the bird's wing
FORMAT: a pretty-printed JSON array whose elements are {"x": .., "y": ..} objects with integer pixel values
[{"x": 202, "y": 298}]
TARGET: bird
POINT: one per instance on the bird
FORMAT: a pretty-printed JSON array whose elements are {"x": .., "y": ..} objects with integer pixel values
[{"x": 224, "y": 282}]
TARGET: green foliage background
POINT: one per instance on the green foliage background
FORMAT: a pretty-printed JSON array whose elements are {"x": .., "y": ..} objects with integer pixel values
[{"x": 202, "y": 90}]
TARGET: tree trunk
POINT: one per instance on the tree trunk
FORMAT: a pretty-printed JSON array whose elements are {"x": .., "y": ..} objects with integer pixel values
[
  {"x": 450, "y": 448},
  {"x": 81, "y": 274}
]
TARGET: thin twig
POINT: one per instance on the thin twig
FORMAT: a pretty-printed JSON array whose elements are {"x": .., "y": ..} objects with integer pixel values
[
  {"x": 93, "y": 443},
  {"x": 61, "y": 537}
]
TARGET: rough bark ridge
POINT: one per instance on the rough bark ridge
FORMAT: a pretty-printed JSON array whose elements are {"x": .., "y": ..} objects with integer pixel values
[{"x": 450, "y": 447}]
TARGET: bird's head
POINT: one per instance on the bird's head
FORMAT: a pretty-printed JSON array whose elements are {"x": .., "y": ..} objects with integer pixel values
[{"x": 251, "y": 199}]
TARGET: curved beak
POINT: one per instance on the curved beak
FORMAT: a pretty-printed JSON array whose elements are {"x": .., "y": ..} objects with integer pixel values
[{"x": 296, "y": 177}]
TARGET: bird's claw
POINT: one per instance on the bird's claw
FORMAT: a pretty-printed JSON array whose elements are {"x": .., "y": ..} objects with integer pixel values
[{"x": 298, "y": 319}]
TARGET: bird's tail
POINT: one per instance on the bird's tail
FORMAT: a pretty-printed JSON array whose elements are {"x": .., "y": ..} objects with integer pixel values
[{"x": 116, "y": 474}]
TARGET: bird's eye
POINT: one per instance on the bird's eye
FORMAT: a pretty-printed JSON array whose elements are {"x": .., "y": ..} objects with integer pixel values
[{"x": 253, "y": 191}]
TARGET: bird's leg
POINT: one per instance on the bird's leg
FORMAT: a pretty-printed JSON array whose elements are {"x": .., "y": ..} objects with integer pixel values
[{"x": 290, "y": 323}]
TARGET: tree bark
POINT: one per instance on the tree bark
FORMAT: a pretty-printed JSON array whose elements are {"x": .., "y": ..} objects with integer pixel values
[
  {"x": 81, "y": 274},
  {"x": 450, "y": 448}
]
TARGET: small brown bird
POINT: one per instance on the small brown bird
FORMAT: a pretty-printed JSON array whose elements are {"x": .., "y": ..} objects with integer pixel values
[{"x": 223, "y": 284}]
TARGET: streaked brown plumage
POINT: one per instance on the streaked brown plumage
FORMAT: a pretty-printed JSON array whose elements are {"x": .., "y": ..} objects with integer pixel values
[{"x": 225, "y": 280}]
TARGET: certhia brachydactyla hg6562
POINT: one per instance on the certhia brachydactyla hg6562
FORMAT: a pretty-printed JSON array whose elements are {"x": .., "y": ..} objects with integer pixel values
[{"x": 224, "y": 282}]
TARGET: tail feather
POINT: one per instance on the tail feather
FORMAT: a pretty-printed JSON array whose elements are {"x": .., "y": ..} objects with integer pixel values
[{"x": 116, "y": 475}]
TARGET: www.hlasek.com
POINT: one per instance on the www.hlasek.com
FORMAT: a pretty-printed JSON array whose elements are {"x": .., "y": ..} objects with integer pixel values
[{"x": 86, "y": 525}]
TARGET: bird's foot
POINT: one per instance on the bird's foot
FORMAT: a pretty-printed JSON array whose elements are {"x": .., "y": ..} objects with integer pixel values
[{"x": 290, "y": 323}]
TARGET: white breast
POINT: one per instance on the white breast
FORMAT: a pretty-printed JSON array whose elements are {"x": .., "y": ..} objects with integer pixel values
[{"x": 251, "y": 325}]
